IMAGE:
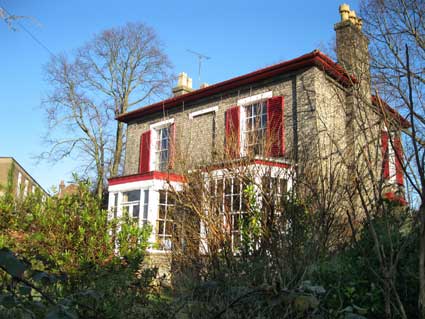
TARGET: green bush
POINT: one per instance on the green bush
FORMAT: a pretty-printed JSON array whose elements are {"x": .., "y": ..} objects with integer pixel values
[
  {"x": 353, "y": 276},
  {"x": 58, "y": 260}
]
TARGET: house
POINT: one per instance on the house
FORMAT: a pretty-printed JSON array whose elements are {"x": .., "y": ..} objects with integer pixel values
[
  {"x": 67, "y": 190},
  {"x": 14, "y": 177},
  {"x": 307, "y": 114}
]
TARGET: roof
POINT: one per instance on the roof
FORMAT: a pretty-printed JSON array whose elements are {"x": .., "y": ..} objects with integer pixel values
[
  {"x": 315, "y": 58},
  {"x": 14, "y": 161},
  {"x": 378, "y": 102}
]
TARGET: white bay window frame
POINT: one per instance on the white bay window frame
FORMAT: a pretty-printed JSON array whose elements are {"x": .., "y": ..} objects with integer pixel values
[
  {"x": 153, "y": 186},
  {"x": 257, "y": 171}
]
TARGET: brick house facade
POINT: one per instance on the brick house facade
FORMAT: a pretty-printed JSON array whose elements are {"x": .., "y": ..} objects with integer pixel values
[
  {"x": 17, "y": 179},
  {"x": 305, "y": 110}
]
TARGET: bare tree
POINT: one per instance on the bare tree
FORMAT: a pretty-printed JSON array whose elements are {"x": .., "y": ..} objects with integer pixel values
[
  {"x": 396, "y": 29},
  {"x": 118, "y": 69}
]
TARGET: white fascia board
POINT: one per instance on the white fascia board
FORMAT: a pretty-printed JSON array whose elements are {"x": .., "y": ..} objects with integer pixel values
[
  {"x": 255, "y": 98},
  {"x": 131, "y": 186},
  {"x": 258, "y": 170},
  {"x": 202, "y": 112},
  {"x": 162, "y": 123},
  {"x": 158, "y": 251},
  {"x": 155, "y": 184}
]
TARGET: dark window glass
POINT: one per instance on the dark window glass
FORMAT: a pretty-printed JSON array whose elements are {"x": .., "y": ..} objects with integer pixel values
[
  {"x": 136, "y": 211},
  {"x": 131, "y": 196}
]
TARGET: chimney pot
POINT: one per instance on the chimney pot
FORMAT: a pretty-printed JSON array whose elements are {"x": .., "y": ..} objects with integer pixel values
[
  {"x": 344, "y": 11},
  {"x": 182, "y": 79},
  {"x": 353, "y": 17},
  {"x": 359, "y": 23}
]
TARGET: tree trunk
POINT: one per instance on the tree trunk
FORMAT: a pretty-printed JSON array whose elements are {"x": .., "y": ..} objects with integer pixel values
[
  {"x": 99, "y": 191},
  {"x": 117, "y": 150},
  {"x": 99, "y": 180},
  {"x": 387, "y": 296},
  {"x": 421, "y": 301}
]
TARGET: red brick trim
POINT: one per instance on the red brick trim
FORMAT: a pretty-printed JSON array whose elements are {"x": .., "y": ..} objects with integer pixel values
[
  {"x": 245, "y": 162},
  {"x": 391, "y": 196},
  {"x": 145, "y": 177},
  {"x": 271, "y": 163}
]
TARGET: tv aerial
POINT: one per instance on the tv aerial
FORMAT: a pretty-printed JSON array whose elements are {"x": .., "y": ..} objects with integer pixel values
[{"x": 200, "y": 58}]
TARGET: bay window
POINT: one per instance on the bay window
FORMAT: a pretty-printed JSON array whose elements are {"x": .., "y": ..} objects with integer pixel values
[
  {"x": 228, "y": 196},
  {"x": 131, "y": 204},
  {"x": 165, "y": 222}
]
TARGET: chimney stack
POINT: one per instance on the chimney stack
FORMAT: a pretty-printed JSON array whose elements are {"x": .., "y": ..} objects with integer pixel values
[
  {"x": 352, "y": 46},
  {"x": 184, "y": 85}
]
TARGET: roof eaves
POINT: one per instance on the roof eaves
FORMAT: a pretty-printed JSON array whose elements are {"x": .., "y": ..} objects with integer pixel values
[
  {"x": 379, "y": 102},
  {"x": 315, "y": 58}
]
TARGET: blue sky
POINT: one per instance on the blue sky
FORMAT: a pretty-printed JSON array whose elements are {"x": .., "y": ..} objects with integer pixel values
[{"x": 239, "y": 36}]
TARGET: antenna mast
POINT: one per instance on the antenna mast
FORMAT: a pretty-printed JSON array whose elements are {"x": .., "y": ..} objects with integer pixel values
[{"x": 200, "y": 57}]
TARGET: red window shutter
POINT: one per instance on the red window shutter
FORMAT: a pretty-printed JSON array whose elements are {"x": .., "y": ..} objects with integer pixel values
[
  {"x": 385, "y": 155},
  {"x": 398, "y": 160},
  {"x": 145, "y": 150},
  {"x": 172, "y": 146},
  {"x": 233, "y": 132},
  {"x": 275, "y": 126}
]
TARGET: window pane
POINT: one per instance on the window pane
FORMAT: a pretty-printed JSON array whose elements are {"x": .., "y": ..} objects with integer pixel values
[
  {"x": 244, "y": 203},
  {"x": 228, "y": 186},
  {"x": 236, "y": 240},
  {"x": 164, "y": 144},
  {"x": 161, "y": 211},
  {"x": 145, "y": 212},
  {"x": 236, "y": 187},
  {"x": 165, "y": 132},
  {"x": 162, "y": 197},
  {"x": 136, "y": 211},
  {"x": 131, "y": 196},
  {"x": 264, "y": 119},
  {"x": 227, "y": 203},
  {"x": 115, "y": 199},
  {"x": 164, "y": 156},
  {"x": 211, "y": 184},
  {"x": 168, "y": 228},
  {"x": 171, "y": 199},
  {"x": 265, "y": 181},
  {"x": 220, "y": 186},
  {"x": 283, "y": 185},
  {"x": 235, "y": 222},
  {"x": 160, "y": 227},
  {"x": 236, "y": 202}
]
